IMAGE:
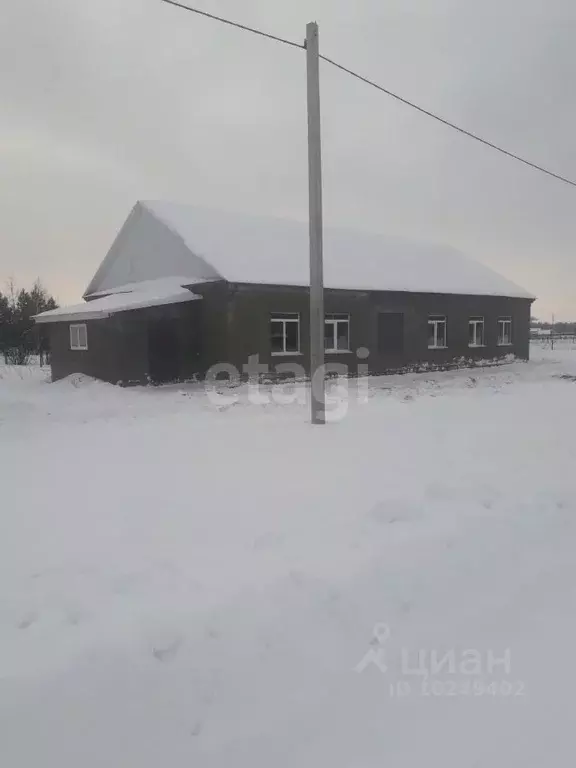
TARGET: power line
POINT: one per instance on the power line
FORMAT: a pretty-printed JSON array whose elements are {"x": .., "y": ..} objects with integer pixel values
[
  {"x": 393, "y": 95},
  {"x": 234, "y": 24},
  {"x": 448, "y": 123}
]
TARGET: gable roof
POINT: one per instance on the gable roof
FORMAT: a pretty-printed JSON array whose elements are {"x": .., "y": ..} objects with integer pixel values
[{"x": 160, "y": 239}]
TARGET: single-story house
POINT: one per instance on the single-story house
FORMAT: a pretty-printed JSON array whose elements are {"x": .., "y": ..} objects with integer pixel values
[{"x": 183, "y": 289}]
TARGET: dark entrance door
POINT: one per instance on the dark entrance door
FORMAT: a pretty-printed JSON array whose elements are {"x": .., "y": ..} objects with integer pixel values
[
  {"x": 391, "y": 333},
  {"x": 163, "y": 350}
]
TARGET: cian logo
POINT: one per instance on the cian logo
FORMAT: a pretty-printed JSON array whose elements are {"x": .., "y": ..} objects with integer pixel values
[{"x": 377, "y": 652}]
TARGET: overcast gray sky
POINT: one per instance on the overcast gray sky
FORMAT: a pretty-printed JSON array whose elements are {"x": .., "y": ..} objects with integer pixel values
[{"x": 107, "y": 101}]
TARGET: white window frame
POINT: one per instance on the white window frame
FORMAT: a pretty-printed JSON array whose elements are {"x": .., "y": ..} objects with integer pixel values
[
  {"x": 476, "y": 322},
  {"x": 435, "y": 321},
  {"x": 502, "y": 323},
  {"x": 285, "y": 318},
  {"x": 76, "y": 330},
  {"x": 334, "y": 320}
]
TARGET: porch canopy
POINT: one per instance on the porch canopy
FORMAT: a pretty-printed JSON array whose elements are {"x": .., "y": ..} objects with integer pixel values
[{"x": 150, "y": 293}]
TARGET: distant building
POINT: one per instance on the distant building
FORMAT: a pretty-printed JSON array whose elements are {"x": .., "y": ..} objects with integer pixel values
[{"x": 183, "y": 289}]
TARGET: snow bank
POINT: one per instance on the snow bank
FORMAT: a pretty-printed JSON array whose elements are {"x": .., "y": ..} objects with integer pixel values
[{"x": 182, "y": 585}]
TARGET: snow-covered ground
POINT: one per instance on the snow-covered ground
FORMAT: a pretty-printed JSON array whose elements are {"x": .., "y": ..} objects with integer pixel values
[{"x": 190, "y": 583}]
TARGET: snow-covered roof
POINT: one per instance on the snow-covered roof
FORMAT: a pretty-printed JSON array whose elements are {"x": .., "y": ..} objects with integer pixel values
[
  {"x": 161, "y": 239},
  {"x": 150, "y": 293},
  {"x": 158, "y": 286}
]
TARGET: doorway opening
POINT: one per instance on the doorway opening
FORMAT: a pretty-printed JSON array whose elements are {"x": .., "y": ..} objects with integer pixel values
[{"x": 163, "y": 351}]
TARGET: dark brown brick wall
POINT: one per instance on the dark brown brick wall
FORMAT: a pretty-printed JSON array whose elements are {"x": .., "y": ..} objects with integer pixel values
[
  {"x": 251, "y": 307},
  {"x": 231, "y": 323},
  {"x": 103, "y": 359},
  {"x": 214, "y": 309},
  {"x": 118, "y": 346}
]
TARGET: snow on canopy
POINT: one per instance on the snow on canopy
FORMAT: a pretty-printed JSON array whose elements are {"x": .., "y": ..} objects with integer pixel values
[
  {"x": 161, "y": 239},
  {"x": 150, "y": 293}
]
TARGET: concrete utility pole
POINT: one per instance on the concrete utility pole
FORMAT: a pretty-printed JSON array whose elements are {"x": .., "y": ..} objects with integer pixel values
[{"x": 317, "y": 387}]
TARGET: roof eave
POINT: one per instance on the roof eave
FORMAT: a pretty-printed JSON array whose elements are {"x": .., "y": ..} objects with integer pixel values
[{"x": 81, "y": 317}]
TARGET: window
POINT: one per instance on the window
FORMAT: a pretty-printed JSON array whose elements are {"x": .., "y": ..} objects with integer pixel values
[
  {"x": 476, "y": 332},
  {"x": 285, "y": 333},
  {"x": 504, "y": 331},
  {"x": 78, "y": 337},
  {"x": 390, "y": 332},
  {"x": 437, "y": 332},
  {"x": 337, "y": 333}
]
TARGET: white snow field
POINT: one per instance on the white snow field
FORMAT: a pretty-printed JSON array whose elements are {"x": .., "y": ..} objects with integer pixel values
[{"x": 190, "y": 584}]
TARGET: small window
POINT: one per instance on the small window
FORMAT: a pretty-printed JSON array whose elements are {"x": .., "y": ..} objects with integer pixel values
[
  {"x": 476, "y": 332},
  {"x": 437, "y": 332},
  {"x": 337, "y": 333},
  {"x": 78, "y": 336},
  {"x": 504, "y": 331},
  {"x": 285, "y": 333},
  {"x": 390, "y": 333}
]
